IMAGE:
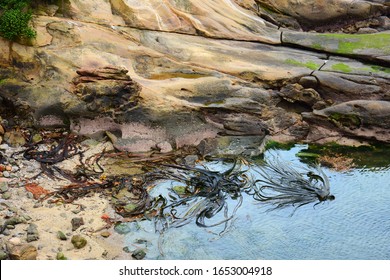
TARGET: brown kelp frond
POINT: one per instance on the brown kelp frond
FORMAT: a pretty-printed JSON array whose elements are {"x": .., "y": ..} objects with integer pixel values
[
  {"x": 206, "y": 194},
  {"x": 283, "y": 184}
]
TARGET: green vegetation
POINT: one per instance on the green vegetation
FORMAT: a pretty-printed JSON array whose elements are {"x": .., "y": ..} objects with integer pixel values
[
  {"x": 349, "y": 43},
  {"x": 271, "y": 144},
  {"x": 376, "y": 68},
  {"x": 342, "y": 67},
  {"x": 348, "y": 120},
  {"x": 15, "y": 16},
  {"x": 363, "y": 156},
  {"x": 310, "y": 64}
]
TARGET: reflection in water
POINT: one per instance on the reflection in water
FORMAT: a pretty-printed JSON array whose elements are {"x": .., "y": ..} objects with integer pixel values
[{"x": 354, "y": 226}]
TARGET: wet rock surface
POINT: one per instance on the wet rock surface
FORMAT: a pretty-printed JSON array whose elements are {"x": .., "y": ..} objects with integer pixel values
[{"x": 179, "y": 79}]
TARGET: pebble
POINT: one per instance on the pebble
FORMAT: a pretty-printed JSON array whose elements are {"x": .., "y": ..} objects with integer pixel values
[
  {"x": 61, "y": 256},
  {"x": 38, "y": 204},
  {"x": 15, "y": 168},
  {"x": 15, "y": 241},
  {"x": 76, "y": 223},
  {"x": 3, "y": 255},
  {"x": 32, "y": 233},
  {"x": 61, "y": 235},
  {"x": 14, "y": 221},
  {"x": 138, "y": 254},
  {"x": 6, "y": 195},
  {"x": 105, "y": 234},
  {"x": 78, "y": 241},
  {"x": 3, "y": 187},
  {"x": 6, "y": 174},
  {"x": 26, "y": 217},
  {"x": 30, "y": 169}
]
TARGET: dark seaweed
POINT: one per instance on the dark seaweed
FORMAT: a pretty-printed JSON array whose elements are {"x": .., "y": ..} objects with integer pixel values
[{"x": 206, "y": 195}]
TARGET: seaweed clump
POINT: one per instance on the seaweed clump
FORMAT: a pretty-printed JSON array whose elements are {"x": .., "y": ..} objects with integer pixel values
[
  {"x": 207, "y": 195},
  {"x": 204, "y": 195},
  {"x": 282, "y": 184}
]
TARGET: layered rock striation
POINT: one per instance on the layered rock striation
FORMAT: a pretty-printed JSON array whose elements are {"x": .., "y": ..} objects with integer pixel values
[{"x": 212, "y": 73}]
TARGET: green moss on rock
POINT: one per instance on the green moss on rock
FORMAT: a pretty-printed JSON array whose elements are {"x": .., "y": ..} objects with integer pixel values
[
  {"x": 309, "y": 64},
  {"x": 342, "y": 67}
]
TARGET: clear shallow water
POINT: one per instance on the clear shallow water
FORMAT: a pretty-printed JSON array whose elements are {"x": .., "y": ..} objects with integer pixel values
[{"x": 356, "y": 225}]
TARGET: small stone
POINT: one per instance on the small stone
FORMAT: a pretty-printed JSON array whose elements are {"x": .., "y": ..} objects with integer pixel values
[
  {"x": 30, "y": 169},
  {"x": 164, "y": 147},
  {"x": 14, "y": 138},
  {"x": 122, "y": 228},
  {"x": 15, "y": 241},
  {"x": 8, "y": 168},
  {"x": 26, "y": 217},
  {"x": 308, "y": 82},
  {"x": 76, "y": 211},
  {"x": 105, "y": 234},
  {"x": 61, "y": 256},
  {"x": 78, "y": 241},
  {"x": 6, "y": 195},
  {"x": 22, "y": 252},
  {"x": 15, "y": 168},
  {"x": 37, "y": 205},
  {"x": 61, "y": 235},
  {"x": 37, "y": 138},
  {"x": 4, "y": 187},
  {"x": 190, "y": 160},
  {"x": 6, "y": 174},
  {"x": 126, "y": 249},
  {"x": 3, "y": 255},
  {"x": 14, "y": 221},
  {"x": 76, "y": 223},
  {"x": 10, "y": 226},
  {"x": 138, "y": 254},
  {"x": 32, "y": 233},
  {"x": 366, "y": 30}
]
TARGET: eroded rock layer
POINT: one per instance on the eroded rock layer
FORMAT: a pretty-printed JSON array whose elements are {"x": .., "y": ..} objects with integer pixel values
[{"x": 165, "y": 74}]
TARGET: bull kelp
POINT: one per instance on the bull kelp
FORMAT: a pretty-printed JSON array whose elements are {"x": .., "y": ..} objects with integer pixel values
[{"x": 211, "y": 198}]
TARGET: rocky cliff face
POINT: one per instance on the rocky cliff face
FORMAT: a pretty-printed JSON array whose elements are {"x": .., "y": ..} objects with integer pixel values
[{"x": 171, "y": 73}]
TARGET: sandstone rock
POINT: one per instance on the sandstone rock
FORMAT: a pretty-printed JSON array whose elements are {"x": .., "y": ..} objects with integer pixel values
[
  {"x": 193, "y": 17},
  {"x": 22, "y": 252},
  {"x": 107, "y": 90},
  {"x": 365, "y": 119},
  {"x": 314, "y": 11},
  {"x": 374, "y": 46},
  {"x": 296, "y": 93}
]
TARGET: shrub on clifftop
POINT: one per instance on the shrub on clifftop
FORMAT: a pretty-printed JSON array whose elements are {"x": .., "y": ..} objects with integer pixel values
[{"x": 15, "y": 17}]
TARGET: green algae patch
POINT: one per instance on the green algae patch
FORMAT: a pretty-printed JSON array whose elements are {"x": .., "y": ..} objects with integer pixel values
[
  {"x": 377, "y": 69},
  {"x": 365, "y": 156},
  {"x": 357, "y": 43},
  {"x": 309, "y": 64},
  {"x": 271, "y": 144},
  {"x": 342, "y": 67},
  {"x": 346, "y": 120}
]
